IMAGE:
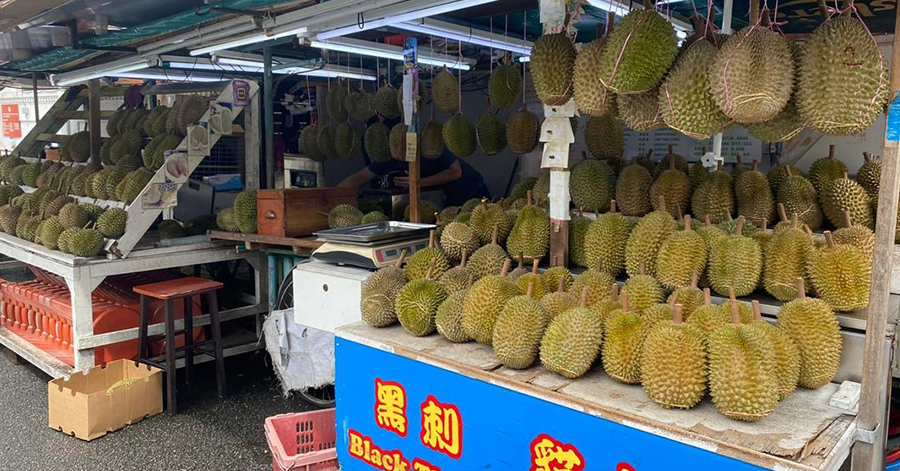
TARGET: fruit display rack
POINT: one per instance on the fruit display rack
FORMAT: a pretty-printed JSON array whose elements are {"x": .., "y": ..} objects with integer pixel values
[
  {"x": 524, "y": 419},
  {"x": 83, "y": 275}
]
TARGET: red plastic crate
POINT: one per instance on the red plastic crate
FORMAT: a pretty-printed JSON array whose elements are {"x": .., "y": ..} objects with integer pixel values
[{"x": 303, "y": 441}]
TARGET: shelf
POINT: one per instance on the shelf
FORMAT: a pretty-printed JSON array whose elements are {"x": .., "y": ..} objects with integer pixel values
[
  {"x": 804, "y": 433},
  {"x": 297, "y": 244}
]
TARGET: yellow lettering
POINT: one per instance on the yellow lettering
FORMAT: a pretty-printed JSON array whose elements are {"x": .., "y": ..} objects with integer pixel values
[
  {"x": 356, "y": 443},
  {"x": 388, "y": 463},
  {"x": 399, "y": 463},
  {"x": 376, "y": 457}
]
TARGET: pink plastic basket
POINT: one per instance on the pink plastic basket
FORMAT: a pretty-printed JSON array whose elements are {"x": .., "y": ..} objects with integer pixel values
[{"x": 303, "y": 441}]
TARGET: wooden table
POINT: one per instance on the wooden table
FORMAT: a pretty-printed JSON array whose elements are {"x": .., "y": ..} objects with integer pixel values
[{"x": 613, "y": 426}]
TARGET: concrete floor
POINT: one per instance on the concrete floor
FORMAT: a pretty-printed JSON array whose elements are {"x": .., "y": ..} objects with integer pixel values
[{"x": 209, "y": 433}]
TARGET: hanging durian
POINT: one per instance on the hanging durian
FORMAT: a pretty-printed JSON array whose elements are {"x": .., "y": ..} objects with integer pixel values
[{"x": 638, "y": 52}]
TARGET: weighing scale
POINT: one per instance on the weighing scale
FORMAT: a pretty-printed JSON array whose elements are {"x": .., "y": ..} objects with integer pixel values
[{"x": 371, "y": 245}]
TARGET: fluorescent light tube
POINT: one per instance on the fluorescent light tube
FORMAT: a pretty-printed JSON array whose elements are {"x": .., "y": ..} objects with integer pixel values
[
  {"x": 467, "y": 35},
  {"x": 252, "y": 39},
  {"x": 386, "y": 51},
  {"x": 621, "y": 9},
  {"x": 401, "y": 18},
  {"x": 172, "y": 74},
  {"x": 330, "y": 70},
  {"x": 103, "y": 70}
]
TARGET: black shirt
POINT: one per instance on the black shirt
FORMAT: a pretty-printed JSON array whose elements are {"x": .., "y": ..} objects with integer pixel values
[{"x": 470, "y": 185}]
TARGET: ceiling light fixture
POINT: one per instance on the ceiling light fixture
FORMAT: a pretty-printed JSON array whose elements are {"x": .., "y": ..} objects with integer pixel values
[
  {"x": 386, "y": 51},
  {"x": 469, "y": 35},
  {"x": 245, "y": 41},
  {"x": 109, "y": 69}
]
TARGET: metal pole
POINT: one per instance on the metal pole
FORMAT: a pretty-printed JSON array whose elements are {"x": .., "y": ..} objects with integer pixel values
[
  {"x": 726, "y": 29},
  {"x": 876, "y": 376},
  {"x": 269, "y": 117},
  {"x": 94, "y": 120},
  {"x": 34, "y": 87}
]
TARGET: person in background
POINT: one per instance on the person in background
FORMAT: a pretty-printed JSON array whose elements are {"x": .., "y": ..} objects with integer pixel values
[{"x": 459, "y": 180}]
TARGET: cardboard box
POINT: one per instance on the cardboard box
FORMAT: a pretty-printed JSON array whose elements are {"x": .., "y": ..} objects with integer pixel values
[{"x": 104, "y": 399}]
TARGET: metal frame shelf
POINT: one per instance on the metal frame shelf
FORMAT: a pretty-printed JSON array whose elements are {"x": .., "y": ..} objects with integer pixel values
[{"x": 83, "y": 275}]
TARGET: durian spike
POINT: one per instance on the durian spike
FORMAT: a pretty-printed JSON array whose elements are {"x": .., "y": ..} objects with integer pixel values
[
  {"x": 755, "y": 166},
  {"x": 662, "y": 203},
  {"x": 674, "y": 299},
  {"x": 534, "y": 266},
  {"x": 829, "y": 240},
  {"x": 462, "y": 262},
  {"x": 707, "y": 221},
  {"x": 707, "y": 297},
  {"x": 624, "y": 297},
  {"x": 781, "y": 212},
  {"x": 757, "y": 313},
  {"x": 530, "y": 289},
  {"x": 584, "y": 299},
  {"x": 612, "y": 206},
  {"x": 642, "y": 267},
  {"x": 431, "y": 236},
  {"x": 677, "y": 317},
  {"x": 694, "y": 279},
  {"x": 495, "y": 235},
  {"x": 401, "y": 258},
  {"x": 848, "y": 222},
  {"x": 505, "y": 269},
  {"x": 561, "y": 286},
  {"x": 687, "y": 222},
  {"x": 614, "y": 292},
  {"x": 801, "y": 289},
  {"x": 529, "y": 198},
  {"x": 735, "y": 312},
  {"x": 740, "y": 226},
  {"x": 430, "y": 268}
]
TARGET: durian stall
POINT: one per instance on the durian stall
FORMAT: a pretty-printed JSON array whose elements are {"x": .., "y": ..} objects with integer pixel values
[
  {"x": 721, "y": 318},
  {"x": 80, "y": 222}
]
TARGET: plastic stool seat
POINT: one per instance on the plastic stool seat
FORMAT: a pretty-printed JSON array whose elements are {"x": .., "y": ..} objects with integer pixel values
[{"x": 177, "y": 288}]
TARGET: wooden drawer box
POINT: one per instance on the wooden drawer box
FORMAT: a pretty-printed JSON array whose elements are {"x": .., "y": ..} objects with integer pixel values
[{"x": 299, "y": 211}]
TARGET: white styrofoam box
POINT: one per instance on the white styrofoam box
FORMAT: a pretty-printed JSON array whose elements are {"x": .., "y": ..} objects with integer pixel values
[{"x": 327, "y": 296}]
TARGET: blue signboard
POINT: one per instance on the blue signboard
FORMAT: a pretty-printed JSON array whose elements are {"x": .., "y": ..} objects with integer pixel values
[
  {"x": 397, "y": 414},
  {"x": 892, "y": 130}
]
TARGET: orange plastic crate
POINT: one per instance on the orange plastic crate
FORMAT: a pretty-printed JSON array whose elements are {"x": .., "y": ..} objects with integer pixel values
[{"x": 303, "y": 441}]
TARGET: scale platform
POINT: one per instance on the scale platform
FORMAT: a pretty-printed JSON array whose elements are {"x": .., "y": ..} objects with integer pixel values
[{"x": 371, "y": 245}]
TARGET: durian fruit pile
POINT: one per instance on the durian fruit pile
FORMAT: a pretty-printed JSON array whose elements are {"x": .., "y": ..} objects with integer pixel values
[{"x": 679, "y": 349}]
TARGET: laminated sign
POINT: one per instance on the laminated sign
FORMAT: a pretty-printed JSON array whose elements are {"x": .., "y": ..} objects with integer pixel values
[{"x": 12, "y": 127}]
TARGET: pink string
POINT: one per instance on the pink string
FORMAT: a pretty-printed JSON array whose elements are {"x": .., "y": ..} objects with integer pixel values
[
  {"x": 612, "y": 77},
  {"x": 728, "y": 62}
]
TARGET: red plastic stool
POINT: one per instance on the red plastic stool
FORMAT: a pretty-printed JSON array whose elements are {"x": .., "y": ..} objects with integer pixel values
[{"x": 170, "y": 291}]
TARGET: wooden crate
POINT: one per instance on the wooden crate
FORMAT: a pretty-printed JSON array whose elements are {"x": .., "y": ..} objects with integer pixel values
[{"x": 299, "y": 211}]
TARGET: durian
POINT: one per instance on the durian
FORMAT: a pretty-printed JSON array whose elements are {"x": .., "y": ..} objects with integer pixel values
[
  {"x": 811, "y": 324},
  {"x": 417, "y": 303},
  {"x": 735, "y": 262},
  {"x": 522, "y": 131},
  {"x": 633, "y": 190},
  {"x": 686, "y": 101},
  {"x": 378, "y": 293},
  {"x": 417, "y": 266},
  {"x": 344, "y": 215},
  {"x": 673, "y": 364},
  {"x": 592, "y": 185},
  {"x": 552, "y": 67},
  {"x": 625, "y": 333},
  {"x": 459, "y": 136},
  {"x": 572, "y": 342},
  {"x": 505, "y": 85},
  {"x": 638, "y": 52},
  {"x": 646, "y": 239},
  {"x": 530, "y": 235},
  {"x": 484, "y": 302},
  {"x": 519, "y": 330},
  {"x": 841, "y": 275},
  {"x": 245, "y": 211},
  {"x": 682, "y": 255}
]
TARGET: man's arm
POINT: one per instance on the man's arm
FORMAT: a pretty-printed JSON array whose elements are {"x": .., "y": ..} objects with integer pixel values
[
  {"x": 358, "y": 179},
  {"x": 450, "y": 174}
]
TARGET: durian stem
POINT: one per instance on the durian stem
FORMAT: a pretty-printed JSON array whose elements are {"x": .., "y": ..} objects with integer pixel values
[
  {"x": 648, "y": 5},
  {"x": 431, "y": 235},
  {"x": 662, "y": 203},
  {"x": 505, "y": 269},
  {"x": 561, "y": 286},
  {"x": 707, "y": 297},
  {"x": 867, "y": 157},
  {"x": 528, "y": 198},
  {"x": 694, "y": 279},
  {"x": 534, "y": 266},
  {"x": 677, "y": 317},
  {"x": 687, "y": 222},
  {"x": 795, "y": 221},
  {"x": 400, "y": 259},
  {"x": 801, "y": 289},
  {"x": 788, "y": 170},
  {"x": 521, "y": 261},
  {"x": 465, "y": 254},
  {"x": 612, "y": 206},
  {"x": 674, "y": 299},
  {"x": 599, "y": 265},
  {"x": 642, "y": 267},
  {"x": 831, "y": 152},
  {"x": 707, "y": 221},
  {"x": 829, "y": 240},
  {"x": 757, "y": 313},
  {"x": 740, "y": 226},
  {"x": 530, "y": 290},
  {"x": 430, "y": 268},
  {"x": 624, "y": 297},
  {"x": 755, "y": 166},
  {"x": 584, "y": 299},
  {"x": 471, "y": 279},
  {"x": 844, "y": 176},
  {"x": 614, "y": 292},
  {"x": 484, "y": 203},
  {"x": 731, "y": 295},
  {"x": 494, "y": 237},
  {"x": 754, "y": 12},
  {"x": 848, "y": 222},
  {"x": 735, "y": 312},
  {"x": 782, "y": 213}
]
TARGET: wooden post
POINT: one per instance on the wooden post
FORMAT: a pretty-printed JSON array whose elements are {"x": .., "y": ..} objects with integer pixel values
[
  {"x": 94, "y": 120},
  {"x": 876, "y": 376}
]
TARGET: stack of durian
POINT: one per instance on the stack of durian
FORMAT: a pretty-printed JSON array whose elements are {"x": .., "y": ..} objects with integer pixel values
[
  {"x": 661, "y": 331},
  {"x": 49, "y": 213}
]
